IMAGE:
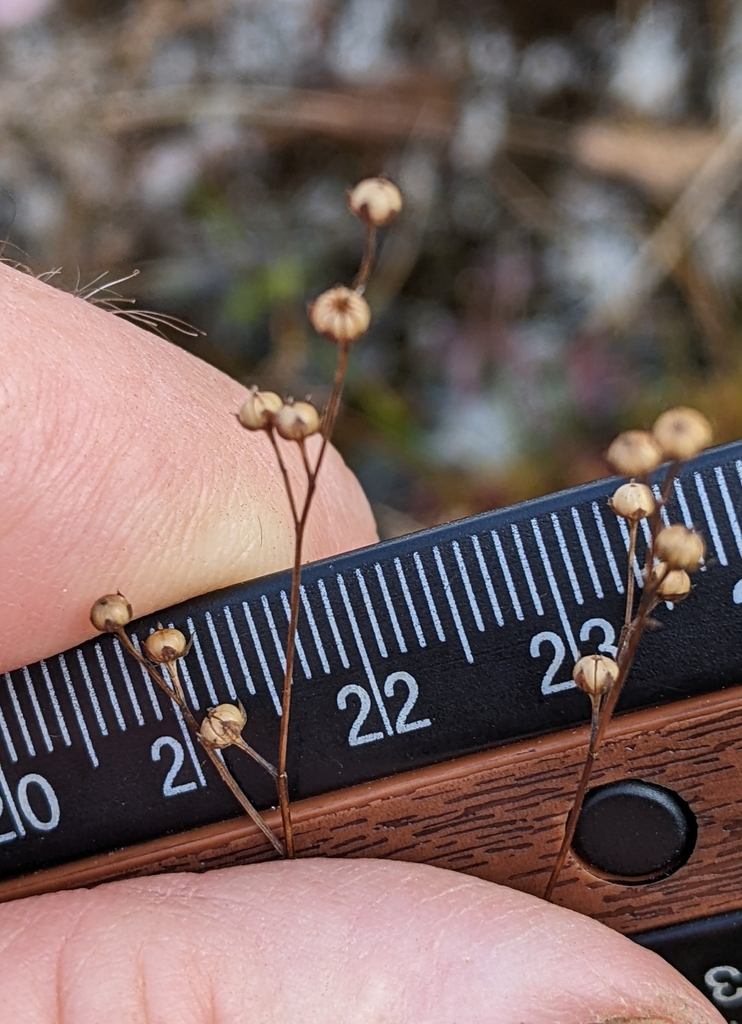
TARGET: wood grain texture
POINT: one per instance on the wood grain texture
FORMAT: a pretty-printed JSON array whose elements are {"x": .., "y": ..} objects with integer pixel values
[{"x": 500, "y": 815}]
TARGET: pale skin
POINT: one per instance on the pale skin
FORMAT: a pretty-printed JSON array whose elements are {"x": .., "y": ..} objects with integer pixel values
[{"x": 122, "y": 466}]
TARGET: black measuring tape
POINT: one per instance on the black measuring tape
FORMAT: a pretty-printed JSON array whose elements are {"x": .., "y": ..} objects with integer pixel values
[{"x": 412, "y": 652}]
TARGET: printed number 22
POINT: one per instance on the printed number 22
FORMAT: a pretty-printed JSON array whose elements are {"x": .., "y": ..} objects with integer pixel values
[{"x": 355, "y": 737}]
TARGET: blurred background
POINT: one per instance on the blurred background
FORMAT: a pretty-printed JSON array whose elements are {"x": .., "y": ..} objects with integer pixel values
[{"x": 569, "y": 261}]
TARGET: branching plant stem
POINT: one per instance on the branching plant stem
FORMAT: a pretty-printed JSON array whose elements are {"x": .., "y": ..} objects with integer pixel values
[
  {"x": 175, "y": 692},
  {"x": 631, "y": 634},
  {"x": 599, "y": 724},
  {"x": 300, "y": 523}
]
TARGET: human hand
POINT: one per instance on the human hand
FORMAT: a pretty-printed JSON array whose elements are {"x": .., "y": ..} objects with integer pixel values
[{"x": 123, "y": 466}]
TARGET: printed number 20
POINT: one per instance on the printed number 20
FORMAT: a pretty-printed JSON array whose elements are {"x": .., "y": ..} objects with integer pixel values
[
  {"x": 355, "y": 737},
  {"x": 49, "y": 819},
  {"x": 606, "y": 645}
]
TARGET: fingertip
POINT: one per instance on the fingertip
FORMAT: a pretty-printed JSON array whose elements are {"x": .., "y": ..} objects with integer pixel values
[
  {"x": 334, "y": 940},
  {"x": 123, "y": 467}
]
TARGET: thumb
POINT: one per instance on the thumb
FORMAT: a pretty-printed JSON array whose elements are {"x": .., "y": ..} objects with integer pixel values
[
  {"x": 123, "y": 466},
  {"x": 325, "y": 942}
]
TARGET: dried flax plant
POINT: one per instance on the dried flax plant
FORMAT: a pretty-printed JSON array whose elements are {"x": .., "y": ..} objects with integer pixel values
[
  {"x": 341, "y": 315},
  {"x": 672, "y": 553}
]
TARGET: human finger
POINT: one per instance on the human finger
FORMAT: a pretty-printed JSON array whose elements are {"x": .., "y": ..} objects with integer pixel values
[
  {"x": 326, "y": 941},
  {"x": 123, "y": 466}
]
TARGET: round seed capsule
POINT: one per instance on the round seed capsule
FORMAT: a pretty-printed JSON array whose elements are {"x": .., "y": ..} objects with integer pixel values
[
  {"x": 110, "y": 612},
  {"x": 375, "y": 201},
  {"x": 297, "y": 421},
  {"x": 680, "y": 548},
  {"x": 165, "y": 645},
  {"x": 259, "y": 409},
  {"x": 682, "y": 433},
  {"x": 223, "y": 725},
  {"x": 674, "y": 585},
  {"x": 595, "y": 673},
  {"x": 633, "y": 501},
  {"x": 634, "y": 453},
  {"x": 340, "y": 315}
]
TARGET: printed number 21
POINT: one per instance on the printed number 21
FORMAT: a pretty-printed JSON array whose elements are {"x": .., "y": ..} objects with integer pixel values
[
  {"x": 355, "y": 737},
  {"x": 170, "y": 787}
]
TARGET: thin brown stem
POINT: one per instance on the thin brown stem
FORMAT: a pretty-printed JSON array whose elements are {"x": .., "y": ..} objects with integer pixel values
[
  {"x": 172, "y": 671},
  {"x": 305, "y": 459},
  {"x": 625, "y": 657},
  {"x": 312, "y": 474},
  {"x": 244, "y": 803},
  {"x": 667, "y": 484},
  {"x": 252, "y": 752},
  {"x": 284, "y": 472},
  {"x": 367, "y": 262},
  {"x": 574, "y": 814},
  {"x": 300, "y": 522},
  {"x": 630, "y": 575},
  {"x": 288, "y": 679},
  {"x": 333, "y": 405},
  {"x": 596, "y": 702}
]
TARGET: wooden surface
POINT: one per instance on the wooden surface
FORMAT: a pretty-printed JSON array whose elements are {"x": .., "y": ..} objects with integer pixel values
[{"x": 500, "y": 815}]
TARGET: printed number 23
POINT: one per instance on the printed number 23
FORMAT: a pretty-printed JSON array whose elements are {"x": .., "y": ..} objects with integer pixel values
[
  {"x": 355, "y": 737},
  {"x": 606, "y": 645}
]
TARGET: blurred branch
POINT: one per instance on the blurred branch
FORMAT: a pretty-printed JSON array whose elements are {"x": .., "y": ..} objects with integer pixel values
[
  {"x": 660, "y": 160},
  {"x": 710, "y": 309},
  {"x": 539, "y": 136},
  {"x": 417, "y": 175},
  {"x": 697, "y": 206},
  {"x": 526, "y": 201},
  {"x": 152, "y": 20},
  {"x": 354, "y": 115}
]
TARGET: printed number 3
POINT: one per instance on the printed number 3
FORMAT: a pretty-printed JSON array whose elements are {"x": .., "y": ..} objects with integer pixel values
[
  {"x": 355, "y": 737},
  {"x": 725, "y": 986}
]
